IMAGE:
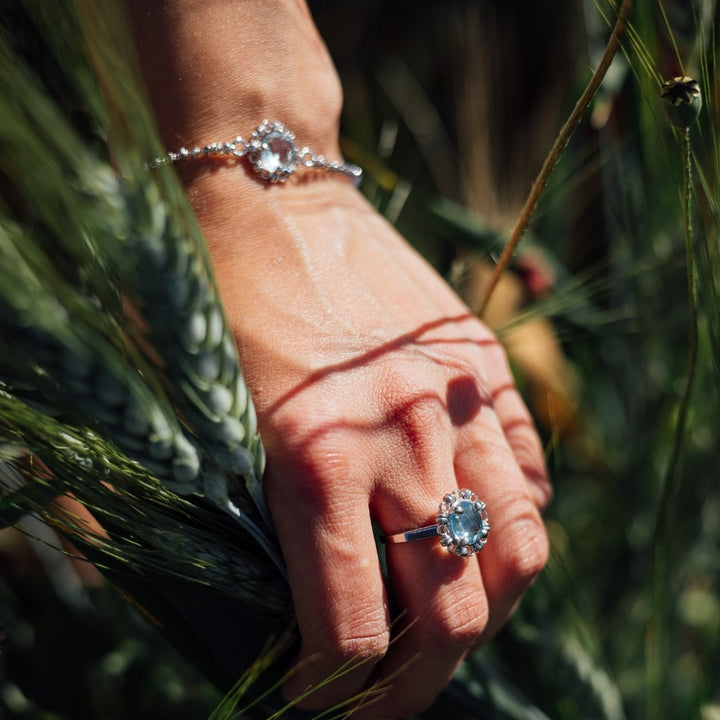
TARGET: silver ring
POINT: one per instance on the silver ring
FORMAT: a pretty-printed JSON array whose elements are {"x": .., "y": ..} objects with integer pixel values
[
  {"x": 462, "y": 525},
  {"x": 271, "y": 151}
]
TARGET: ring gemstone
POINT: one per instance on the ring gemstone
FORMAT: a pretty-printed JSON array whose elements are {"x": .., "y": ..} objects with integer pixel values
[{"x": 462, "y": 523}]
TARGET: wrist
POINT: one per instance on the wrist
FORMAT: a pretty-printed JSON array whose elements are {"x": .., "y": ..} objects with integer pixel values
[{"x": 216, "y": 69}]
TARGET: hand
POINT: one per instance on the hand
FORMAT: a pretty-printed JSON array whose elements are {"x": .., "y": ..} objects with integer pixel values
[{"x": 377, "y": 392}]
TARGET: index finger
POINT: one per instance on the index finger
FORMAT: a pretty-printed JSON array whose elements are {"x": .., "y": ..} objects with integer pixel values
[{"x": 335, "y": 575}]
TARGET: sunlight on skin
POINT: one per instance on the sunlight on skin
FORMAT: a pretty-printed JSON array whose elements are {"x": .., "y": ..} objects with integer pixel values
[{"x": 377, "y": 391}]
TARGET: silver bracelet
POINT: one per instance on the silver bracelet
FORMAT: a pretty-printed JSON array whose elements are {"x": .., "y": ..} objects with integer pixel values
[{"x": 271, "y": 152}]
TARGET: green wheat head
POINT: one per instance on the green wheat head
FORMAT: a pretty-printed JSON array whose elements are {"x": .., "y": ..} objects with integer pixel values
[{"x": 118, "y": 371}]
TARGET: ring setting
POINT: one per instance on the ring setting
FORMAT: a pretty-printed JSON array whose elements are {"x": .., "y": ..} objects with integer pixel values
[{"x": 462, "y": 525}]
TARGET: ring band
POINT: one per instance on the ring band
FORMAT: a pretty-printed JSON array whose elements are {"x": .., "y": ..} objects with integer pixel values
[
  {"x": 271, "y": 151},
  {"x": 462, "y": 525}
]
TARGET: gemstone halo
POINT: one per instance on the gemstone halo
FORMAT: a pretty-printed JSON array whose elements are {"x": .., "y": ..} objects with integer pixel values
[
  {"x": 272, "y": 152},
  {"x": 462, "y": 523}
]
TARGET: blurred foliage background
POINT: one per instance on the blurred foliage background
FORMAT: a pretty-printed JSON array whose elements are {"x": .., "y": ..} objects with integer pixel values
[{"x": 451, "y": 108}]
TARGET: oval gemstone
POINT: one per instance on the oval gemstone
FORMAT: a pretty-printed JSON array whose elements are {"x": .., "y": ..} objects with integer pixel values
[{"x": 465, "y": 523}]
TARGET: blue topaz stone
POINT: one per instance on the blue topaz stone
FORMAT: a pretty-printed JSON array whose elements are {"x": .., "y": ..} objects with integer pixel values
[
  {"x": 465, "y": 524},
  {"x": 462, "y": 523}
]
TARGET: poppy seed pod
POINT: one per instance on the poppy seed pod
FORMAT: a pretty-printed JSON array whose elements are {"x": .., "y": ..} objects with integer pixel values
[{"x": 683, "y": 100}]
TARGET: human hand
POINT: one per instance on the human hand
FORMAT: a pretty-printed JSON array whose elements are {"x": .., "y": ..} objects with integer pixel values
[{"x": 377, "y": 392}]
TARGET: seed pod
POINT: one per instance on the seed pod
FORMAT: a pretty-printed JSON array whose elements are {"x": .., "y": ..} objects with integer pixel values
[{"x": 683, "y": 100}]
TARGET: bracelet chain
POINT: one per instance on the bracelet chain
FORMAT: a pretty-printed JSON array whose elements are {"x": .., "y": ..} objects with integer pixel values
[{"x": 271, "y": 152}]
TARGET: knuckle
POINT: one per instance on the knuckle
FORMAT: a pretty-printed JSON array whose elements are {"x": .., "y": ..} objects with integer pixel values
[
  {"x": 527, "y": 552},
  {"x": 318, "y": 466},
  {"x": 359, "y": 634},
  {"x": 365, "y": 642},
  {"x": 460, "y": 622},
  {"x": 413, "y": 410},
  {"x": 527, "y": 450},
  {"x": 308, "y": 470},
  {"x": 542, "y": 491}
]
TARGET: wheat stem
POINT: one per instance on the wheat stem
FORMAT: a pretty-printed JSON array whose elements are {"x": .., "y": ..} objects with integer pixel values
[
  {"x": 561, "y": 141},
  {"x": 657, "y": 634}
]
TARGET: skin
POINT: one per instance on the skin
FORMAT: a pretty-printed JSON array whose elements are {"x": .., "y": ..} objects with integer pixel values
[{"x": 377, "y": 391}]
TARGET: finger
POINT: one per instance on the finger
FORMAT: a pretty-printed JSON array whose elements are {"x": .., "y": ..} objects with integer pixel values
[
  {"x": 445, "y": 613},
  {"x": 440, "y": 595},
  {"x": 334, "y": 573},
  {"x": 517, "y": 424},
  {"x": 517, "y": 547}
]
